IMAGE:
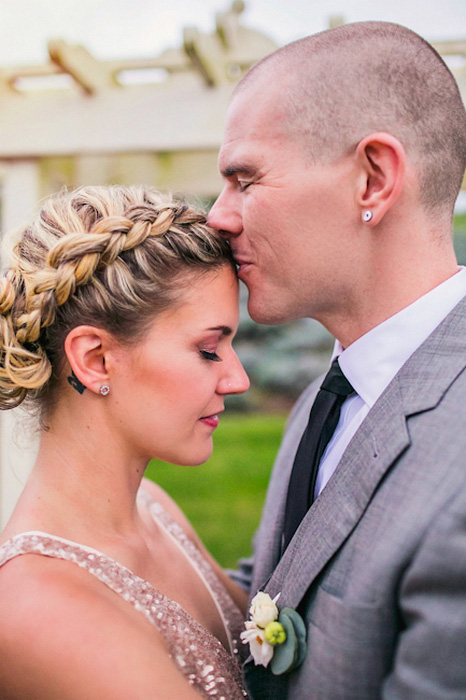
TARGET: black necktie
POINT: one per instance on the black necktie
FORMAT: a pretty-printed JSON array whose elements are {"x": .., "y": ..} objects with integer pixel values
[{"x": 323, "y": 419}]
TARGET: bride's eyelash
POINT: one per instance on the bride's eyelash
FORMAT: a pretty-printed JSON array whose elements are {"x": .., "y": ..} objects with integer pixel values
[{"x": 212, "y": 356}]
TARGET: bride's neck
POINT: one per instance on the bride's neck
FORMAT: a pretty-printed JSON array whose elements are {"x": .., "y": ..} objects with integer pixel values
[{"x": 84, "y": 475}]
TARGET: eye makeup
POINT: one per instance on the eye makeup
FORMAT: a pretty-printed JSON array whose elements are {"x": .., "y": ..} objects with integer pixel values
[{"x": 211, "y": 356}]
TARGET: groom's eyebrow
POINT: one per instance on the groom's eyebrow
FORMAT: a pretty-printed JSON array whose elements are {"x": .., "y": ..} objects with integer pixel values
[
  {"x": 238, "y": 168},
  {"x": 225, "y": 330}
]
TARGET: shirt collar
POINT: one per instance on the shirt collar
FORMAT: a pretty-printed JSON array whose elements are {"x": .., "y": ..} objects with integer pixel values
[{"x": 371, "y": 362}]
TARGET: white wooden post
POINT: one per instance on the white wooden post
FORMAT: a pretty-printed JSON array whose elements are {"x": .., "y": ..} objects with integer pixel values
[{"x": 20, "y": 196}]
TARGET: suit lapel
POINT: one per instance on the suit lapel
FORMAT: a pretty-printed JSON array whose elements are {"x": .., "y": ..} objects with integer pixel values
[
  {"x": 380, "y": 441},
  {"x": 330, "y": 520}
]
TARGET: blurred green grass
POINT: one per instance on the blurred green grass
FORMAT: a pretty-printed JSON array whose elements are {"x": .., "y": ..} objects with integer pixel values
[
  {"x": 459, "y": 238},
  {"x": 223, "y": 498}
]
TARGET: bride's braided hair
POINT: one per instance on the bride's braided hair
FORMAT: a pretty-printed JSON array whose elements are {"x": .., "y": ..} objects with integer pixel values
[{"x": 111, "y": 257}]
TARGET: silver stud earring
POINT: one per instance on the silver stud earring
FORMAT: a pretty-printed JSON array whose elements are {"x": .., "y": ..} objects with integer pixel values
[
  {"x": 367, "y": 215},
  {"x": 104, "y": 389}
]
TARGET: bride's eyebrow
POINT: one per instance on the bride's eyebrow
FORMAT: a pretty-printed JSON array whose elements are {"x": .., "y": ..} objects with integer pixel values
[{"x": 224, "y": 330}]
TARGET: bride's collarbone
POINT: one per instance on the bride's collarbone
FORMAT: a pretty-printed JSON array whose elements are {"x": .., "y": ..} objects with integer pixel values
[
  {"x": 156, "y": 557},
  {"x": 169, "y": 569}
]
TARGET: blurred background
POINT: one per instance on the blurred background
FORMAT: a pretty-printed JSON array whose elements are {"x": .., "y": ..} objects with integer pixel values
[
  {"x": 111, "y": 91},
  {"x": 143, "y": 28}
]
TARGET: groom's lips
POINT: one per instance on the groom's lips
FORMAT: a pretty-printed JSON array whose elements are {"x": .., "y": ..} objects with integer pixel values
[{"x": 243, "y": 264}]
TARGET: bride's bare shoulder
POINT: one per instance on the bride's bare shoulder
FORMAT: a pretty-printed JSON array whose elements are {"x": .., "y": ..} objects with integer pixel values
[{"x": 65, "y": 635}]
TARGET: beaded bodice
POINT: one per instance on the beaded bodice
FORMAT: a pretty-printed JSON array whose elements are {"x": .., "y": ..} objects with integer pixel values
[{"x": 199, "y": 655}]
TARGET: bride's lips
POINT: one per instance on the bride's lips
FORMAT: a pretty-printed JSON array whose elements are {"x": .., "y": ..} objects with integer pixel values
[{"x": 212, "y": 421}]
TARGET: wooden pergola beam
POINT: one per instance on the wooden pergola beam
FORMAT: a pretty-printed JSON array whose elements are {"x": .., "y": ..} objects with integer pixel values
[{"x": 132, "y": 119}]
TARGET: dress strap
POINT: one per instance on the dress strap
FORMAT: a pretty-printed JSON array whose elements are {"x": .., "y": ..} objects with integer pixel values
[{"x": 230, "y": 614}]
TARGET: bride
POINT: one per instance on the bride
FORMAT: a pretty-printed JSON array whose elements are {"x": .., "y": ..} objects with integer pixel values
[{"x": 116, "y": 323}]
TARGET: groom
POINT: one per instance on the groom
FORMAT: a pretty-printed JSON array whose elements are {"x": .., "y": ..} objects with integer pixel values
[{"x": 342, "y": 159}]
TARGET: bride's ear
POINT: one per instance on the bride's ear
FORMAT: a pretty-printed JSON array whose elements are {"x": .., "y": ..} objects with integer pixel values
[{"x": 85, "y": 348}]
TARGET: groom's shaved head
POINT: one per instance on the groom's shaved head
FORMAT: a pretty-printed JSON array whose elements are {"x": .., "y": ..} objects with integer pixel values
[{"x": 346, "y": 83}]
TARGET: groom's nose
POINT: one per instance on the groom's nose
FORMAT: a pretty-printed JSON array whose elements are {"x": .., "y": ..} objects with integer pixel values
[{"x": 225, "y": 215}]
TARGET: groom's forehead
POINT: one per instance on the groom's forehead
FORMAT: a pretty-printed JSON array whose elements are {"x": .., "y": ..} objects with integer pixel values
[{"x": 248, "y": 146}]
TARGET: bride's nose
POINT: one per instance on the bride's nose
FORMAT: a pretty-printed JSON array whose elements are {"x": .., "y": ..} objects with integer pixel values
[{"x": 235, "y": 380}]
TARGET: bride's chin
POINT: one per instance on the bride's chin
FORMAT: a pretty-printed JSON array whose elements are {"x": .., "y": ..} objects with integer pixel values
[{"x": 195, "y": 459}]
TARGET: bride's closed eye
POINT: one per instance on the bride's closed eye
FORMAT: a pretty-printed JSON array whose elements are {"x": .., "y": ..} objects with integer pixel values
[{"x": 211, "y": 356}]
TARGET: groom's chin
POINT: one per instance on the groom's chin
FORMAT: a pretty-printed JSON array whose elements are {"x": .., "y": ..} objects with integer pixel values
[{"x": 265, "y": 313}]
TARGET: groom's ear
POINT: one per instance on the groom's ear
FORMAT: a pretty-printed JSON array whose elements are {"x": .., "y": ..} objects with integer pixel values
[
  {"x": 85, "y": 349},
  {"x": 381, "y": 161}
]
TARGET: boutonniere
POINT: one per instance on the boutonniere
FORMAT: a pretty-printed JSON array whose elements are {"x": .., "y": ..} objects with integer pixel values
[{"x": 275, "y": 637}]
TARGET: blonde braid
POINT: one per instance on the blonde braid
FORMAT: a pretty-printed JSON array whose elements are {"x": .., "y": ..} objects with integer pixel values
[
  {"x": 107, "y": 256},
  {"x": 21, "y": 369},
  {"x": 73, "y": 260}
]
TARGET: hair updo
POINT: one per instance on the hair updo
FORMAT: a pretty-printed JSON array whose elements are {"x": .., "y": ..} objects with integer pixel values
[{"x": 112, "y": 257}]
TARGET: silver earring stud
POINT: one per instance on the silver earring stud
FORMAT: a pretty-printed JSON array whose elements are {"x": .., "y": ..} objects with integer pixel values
[
  {"x": 367, "y": 215},
  {"x": 104, "y": 389}
]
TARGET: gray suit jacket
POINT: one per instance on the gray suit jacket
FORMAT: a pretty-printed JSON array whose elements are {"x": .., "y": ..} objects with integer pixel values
[{"x": 377, "y": 568}]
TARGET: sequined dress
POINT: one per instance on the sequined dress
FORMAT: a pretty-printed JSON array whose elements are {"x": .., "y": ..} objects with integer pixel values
[{"x": 200, "y": 656}]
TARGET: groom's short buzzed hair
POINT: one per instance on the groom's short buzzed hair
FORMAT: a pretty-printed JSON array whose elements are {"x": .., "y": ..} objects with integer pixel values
[{"x": 346, "y": 83}]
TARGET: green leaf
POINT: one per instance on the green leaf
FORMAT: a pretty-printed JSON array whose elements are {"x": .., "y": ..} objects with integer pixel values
[
  {"x": 284, "y": 656},
  {"x": 300, "y": 630}
]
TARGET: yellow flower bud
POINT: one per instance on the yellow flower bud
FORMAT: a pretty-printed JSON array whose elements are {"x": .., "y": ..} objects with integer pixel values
[{"x": 275, "y": 633}]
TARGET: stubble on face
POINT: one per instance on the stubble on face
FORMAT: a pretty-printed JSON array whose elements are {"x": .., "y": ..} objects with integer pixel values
[{"x": 291, "y": 229}]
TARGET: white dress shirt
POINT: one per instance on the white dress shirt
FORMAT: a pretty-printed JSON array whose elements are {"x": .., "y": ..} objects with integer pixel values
[{"x": 372, "y": 361}]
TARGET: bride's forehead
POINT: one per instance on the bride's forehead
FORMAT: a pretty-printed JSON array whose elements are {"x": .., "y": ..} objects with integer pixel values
[{"x": 209, "y": 301}]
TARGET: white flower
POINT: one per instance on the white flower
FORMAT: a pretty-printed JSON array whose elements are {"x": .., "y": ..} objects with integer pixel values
[
  {"x": 268, "y": 629},
  {"x": 263, "y": 609},
  {"x": 261, "y": 650}
]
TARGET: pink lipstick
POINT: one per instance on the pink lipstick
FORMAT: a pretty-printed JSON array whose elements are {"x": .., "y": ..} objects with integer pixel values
[{"x": 211, "y": 421}]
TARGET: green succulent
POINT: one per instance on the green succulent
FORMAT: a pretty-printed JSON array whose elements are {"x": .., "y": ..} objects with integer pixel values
[{"x": 291, "y": 653}]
